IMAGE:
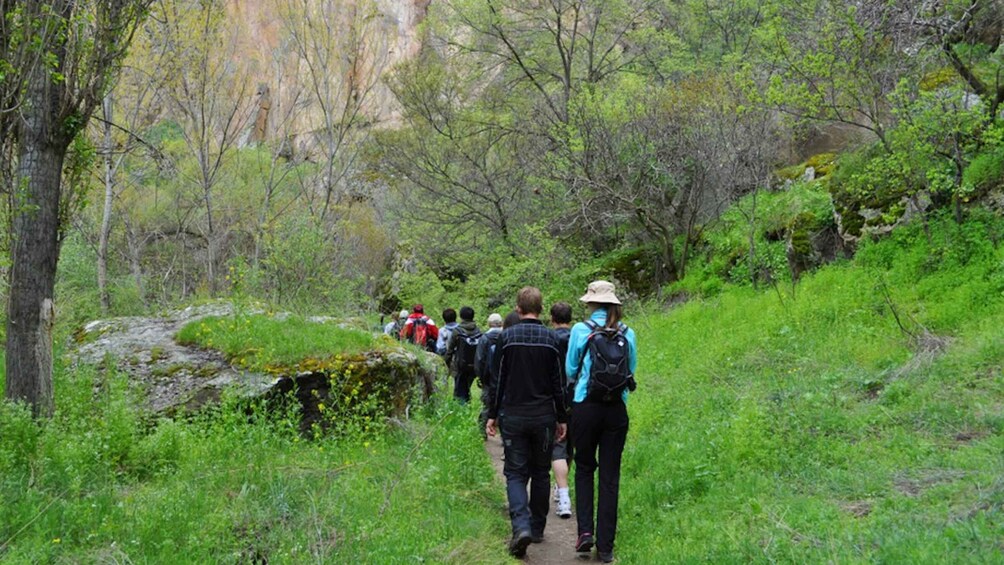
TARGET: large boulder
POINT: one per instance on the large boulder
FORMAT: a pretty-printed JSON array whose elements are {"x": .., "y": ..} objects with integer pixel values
[{"x": 174, "y": 379}]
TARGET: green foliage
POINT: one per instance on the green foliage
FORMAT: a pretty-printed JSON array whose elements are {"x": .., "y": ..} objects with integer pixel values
[
  {"x": 724, "y": 256},
  {"x": 494, "y": 271},
  {"x": 94, "y": 485},
  {"x": 77, "y": 296},
  {"x": 985, "y": 172}
]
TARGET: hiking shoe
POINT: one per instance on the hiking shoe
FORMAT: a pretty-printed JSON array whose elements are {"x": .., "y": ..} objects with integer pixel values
[
  {"x": 585, "y": 543},
  {"x": 605, "y": 556},
  {"x": 564, "y": 509},
  {"x": 518, "y": 543}
]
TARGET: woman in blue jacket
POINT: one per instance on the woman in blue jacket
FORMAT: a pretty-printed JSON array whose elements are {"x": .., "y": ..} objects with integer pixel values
[{"x": 599, "y": 417}]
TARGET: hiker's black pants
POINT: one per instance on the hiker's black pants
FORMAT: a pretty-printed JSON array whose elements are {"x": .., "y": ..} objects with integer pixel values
[
  {"x": 462, "y": 381},
  {"x": 603, "y": 427},
  {"x": 527, "y": 444}
]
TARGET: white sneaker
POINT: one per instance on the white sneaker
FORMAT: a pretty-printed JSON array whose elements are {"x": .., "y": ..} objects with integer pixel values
[{"x": 564, "y": 509}]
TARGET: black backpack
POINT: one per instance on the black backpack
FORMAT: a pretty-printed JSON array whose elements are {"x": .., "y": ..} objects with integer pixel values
[
  {"x": 610, "y": 370},
  {"x": 483, "y": 364},
  {"x": 467, "y": 348}
]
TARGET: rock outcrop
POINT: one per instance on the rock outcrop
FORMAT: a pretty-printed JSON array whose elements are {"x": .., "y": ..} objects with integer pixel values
[{"x": 175, "y": 379}]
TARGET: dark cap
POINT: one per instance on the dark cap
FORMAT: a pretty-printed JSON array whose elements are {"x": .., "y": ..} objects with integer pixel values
[{"x": 418, "y": 309}]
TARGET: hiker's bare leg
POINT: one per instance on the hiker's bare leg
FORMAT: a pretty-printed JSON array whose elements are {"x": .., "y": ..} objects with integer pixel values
[{"x": 560, "y": 469}]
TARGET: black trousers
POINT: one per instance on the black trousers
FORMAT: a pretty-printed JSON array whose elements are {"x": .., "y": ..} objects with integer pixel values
[
  {"x": 462, "y": 382},
  {"x": 527, "y": 443},
  {"x": 602, "y": 427}
]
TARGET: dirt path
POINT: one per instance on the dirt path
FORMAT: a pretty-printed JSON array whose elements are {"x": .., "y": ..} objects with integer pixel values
[{"x": 559, "y": 535}]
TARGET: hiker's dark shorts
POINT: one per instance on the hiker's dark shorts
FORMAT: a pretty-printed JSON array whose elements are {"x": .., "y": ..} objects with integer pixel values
[{"x": 560, "y": 450}]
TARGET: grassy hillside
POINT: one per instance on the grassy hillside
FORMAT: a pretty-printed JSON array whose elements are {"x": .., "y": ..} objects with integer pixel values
[
  {"x": 859, "y": 418},
  {"x": 810, "y": 427}
]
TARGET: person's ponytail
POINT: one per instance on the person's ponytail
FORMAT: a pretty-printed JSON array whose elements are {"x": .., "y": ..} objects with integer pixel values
[{"x": 614, "y": 314}]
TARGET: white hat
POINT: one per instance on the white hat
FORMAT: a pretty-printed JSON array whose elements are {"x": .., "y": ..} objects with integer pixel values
[
  {"x": 495, "y": 320},
  {"x": 404, "y": 314},
  {"x": 600, "y": 292}
]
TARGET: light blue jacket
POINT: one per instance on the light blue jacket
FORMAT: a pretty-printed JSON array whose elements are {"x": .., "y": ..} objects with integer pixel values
[
  {"x": 444, "y": 337},
  {"x": 577, "y": 365}
]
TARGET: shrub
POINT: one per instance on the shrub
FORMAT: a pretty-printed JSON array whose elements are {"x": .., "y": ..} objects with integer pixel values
[{"x": 985, "y": 172}]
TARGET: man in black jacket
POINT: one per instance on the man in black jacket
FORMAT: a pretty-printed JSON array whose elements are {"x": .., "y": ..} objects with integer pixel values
[{"x": 529, "y": 405}]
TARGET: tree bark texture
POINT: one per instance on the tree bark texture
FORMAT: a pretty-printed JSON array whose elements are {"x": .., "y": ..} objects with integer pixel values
[
  {"x": 106, "y": 213},
  {"x": 35, "y": 247},
  {"x": 35, "y": 251}
]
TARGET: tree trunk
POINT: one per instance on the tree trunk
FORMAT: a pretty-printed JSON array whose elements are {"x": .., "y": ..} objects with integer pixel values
[
  {"x": 135, "y": 258},
  {"x": 106, "y": 216},
  {"x": 35, "y": 251}
]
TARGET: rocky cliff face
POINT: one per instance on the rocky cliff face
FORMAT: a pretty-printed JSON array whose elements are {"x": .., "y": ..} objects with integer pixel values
[{"x": 357, "y": 43}]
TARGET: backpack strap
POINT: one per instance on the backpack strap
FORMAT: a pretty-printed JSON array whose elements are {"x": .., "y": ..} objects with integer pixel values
[{"x": 593, "y": 329}]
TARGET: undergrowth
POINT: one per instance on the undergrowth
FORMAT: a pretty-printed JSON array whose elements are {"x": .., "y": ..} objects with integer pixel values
[{"x": 96, "y": 485}]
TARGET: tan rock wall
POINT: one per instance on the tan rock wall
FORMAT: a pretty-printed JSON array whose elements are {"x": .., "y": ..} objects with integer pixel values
[{"x": 388, "y": 35}]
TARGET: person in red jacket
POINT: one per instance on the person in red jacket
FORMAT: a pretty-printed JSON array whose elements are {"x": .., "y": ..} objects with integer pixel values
[{"x": 420, "y": 329}]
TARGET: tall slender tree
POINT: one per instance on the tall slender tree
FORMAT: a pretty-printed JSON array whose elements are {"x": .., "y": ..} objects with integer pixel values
[{"x": 59, "y": 57}]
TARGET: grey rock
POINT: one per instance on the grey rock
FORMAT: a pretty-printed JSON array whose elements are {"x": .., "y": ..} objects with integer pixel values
[
  {"x": 170, "y": 377},
  {"x": 173, "y": 379}
]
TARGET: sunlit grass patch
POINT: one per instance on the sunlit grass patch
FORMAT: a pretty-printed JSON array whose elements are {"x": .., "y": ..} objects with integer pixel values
[{"x": 257, "y": 341}]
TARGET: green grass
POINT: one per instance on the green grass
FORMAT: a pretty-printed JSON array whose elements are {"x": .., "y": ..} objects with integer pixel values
[
  {"x": 260, "y": 342},
  {"x": 95, "y": 485},
  {"x": 810, "y": 428}
]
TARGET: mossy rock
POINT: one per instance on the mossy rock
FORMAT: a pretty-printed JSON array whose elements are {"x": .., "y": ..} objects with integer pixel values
[
  {"x": 812, "y": 242},
  {"x": 823, "y": 163},
  {"x": 800, "y": 232},
  {"x": 174, "y": 378},
  {"x": 870, "y": 191},
  {"x": 367, "y": 387},
  {"x": 637, "y": 269},
  {"x": 984, "y": 174},
  {"x": 938, "y": 78},
  {"x": 792, "y": 173}
]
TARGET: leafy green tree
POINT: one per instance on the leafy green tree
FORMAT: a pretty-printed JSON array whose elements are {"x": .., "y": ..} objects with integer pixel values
[{"x": 467, "y": 165}]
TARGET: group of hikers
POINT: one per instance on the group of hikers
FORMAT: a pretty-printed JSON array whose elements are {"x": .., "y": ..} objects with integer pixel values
[{"x": 555, "y": 394}]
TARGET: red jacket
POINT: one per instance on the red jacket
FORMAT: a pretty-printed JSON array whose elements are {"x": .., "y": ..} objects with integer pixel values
[{"x": 409, "y": 327}]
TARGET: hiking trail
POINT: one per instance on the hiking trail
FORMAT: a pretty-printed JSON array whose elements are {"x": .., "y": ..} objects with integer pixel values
[{"x": 559, "y": 535}]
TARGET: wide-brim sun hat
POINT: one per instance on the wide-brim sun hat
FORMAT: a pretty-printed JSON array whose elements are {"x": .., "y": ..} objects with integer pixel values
[{"x": 600, "y": 292}]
